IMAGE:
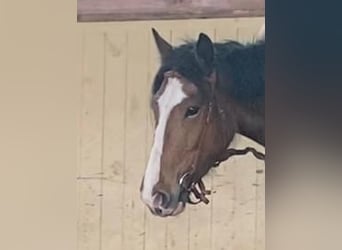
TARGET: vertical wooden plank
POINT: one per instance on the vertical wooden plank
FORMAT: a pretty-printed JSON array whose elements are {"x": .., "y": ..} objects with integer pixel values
[
  {"x": 135, "y": 139},
  {"x": 114, "y": 120},
  {"x": 201, "y": 222},
  {"x": 224, "y": 205},
  {"x": 224, "y": 177},
  {"x": 92, "y": 104},
  {"x": 177, "y": 232},
  {"x": 245, "y": 213},
  {"x": 235, "y": 183},
  {"x": 89, "y": 200},
  {"x": 155, "y": 228},
  {"x": 249, "y": 28},
  {"x": 260, "y": 207},
  {"x": 226, "y": 29},
  {"x": 246, "y": 190},
  {"x": 89, "y": 179}
]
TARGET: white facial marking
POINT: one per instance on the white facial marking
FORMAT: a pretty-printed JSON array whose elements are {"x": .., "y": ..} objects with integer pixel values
[{"x": 172, "y": 96}]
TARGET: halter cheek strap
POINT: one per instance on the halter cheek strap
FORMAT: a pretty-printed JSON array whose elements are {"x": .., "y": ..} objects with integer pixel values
[
  {"x": 197, "y": 188},
  {"x": 212, "y": 85}
]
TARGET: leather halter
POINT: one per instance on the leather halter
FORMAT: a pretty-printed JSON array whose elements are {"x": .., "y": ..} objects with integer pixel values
[{"x": 196, "y": 187}]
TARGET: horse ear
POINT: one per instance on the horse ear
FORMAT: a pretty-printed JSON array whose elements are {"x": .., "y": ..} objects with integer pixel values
[
  {"x": 163, "y": 46},
  {"x": 205, "y": 52}
]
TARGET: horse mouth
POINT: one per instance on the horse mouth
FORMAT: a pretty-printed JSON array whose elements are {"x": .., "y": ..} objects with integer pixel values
[
  {"x": 185, "y": 197},
  {"x": 179, "y": 209},
  {"x": 180, "y": 205}
]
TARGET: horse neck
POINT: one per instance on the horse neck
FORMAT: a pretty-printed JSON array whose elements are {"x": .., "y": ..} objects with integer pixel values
[
  {"x": 247, "y": 120},
  {"x": 251, "y": 123},
  {"x": 242, "y": 82}
]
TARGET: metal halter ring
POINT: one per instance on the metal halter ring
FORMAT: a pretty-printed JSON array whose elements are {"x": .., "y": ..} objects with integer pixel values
[{"x": 181, "y": 180}]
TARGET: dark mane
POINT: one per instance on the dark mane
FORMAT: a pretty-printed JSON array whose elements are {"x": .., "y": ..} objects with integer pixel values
[
  {"x": 247, "y": 66},
  {"x": 242, "y": 64}
]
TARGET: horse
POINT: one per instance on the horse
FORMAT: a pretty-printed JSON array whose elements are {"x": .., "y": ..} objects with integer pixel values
[{"x": 202, "y": 95}]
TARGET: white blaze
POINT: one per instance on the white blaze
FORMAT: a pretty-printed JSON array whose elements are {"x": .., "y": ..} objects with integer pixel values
[{"x": 172, "y": 96}]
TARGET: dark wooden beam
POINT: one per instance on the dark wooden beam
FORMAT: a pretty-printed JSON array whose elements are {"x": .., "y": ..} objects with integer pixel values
[{"x": 89, "y": 11}]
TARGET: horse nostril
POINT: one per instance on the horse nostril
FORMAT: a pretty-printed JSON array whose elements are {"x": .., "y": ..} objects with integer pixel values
[
  {"x": 158, "y": 211},
  {"x": 162, "y": 199}
]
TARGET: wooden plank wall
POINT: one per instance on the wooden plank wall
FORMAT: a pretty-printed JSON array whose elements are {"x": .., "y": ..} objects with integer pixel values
[{"x": 119, "y": 62}]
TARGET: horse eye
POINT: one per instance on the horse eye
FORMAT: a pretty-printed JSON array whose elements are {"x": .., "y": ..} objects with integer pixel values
[{"x": 191, "y": 112}]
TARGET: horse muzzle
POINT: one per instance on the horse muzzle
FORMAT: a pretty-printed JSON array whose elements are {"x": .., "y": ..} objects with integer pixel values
[{"x": 165, "y": 204}]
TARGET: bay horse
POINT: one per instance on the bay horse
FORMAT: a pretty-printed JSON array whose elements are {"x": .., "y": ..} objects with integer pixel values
[{"x": 202, "y": 95}]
